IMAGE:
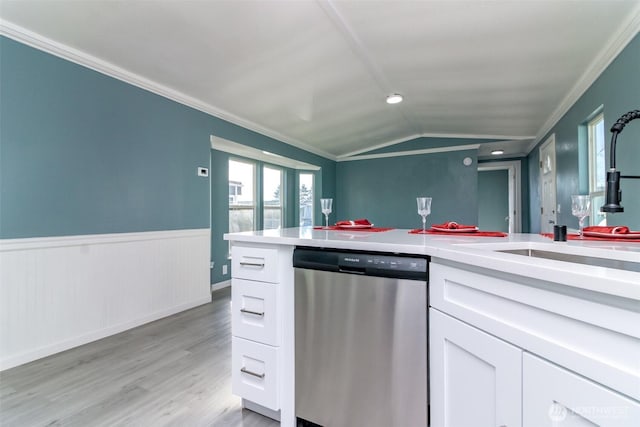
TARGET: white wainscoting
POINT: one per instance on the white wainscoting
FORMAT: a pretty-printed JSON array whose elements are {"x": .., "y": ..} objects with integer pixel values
[{"x": 60, "y": 292}]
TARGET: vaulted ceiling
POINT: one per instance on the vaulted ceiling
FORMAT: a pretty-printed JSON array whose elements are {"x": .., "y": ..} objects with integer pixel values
[{"x": 316, "y": 73}]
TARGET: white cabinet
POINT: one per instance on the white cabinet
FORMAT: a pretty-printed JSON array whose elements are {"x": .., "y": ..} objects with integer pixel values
[
  {"x": 510, "y": 350},
  {"x": 262, "y": 327},
  {"x": 555, "y": 397},
  {"x": 475, "y": 378}
]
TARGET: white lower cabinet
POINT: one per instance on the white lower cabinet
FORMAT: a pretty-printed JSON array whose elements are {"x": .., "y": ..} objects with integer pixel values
[
  {"x": 555, "y": 397},
  {"x": 475, "y": 378},
  {"x": 254, "y": 374},
  {"x": 511, "y": 351}
]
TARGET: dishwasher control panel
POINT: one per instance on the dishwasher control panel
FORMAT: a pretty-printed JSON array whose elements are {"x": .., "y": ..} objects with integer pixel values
[{"x": 365, "y": 263}]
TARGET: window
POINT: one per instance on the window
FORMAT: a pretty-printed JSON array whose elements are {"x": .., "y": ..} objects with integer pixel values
[
  {"x": 242, "y": 201},
  {"x": 306, "y": 199},
  {"x": 272, "y": 196},
  {"x": 597, "y": 169}
]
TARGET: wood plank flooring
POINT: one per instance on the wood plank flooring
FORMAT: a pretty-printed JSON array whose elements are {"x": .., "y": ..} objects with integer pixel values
[{"x": 172, "y": 372}]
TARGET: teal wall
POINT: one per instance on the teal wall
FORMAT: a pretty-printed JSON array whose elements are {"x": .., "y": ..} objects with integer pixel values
[
  {"x": 493, "y": 200},
  {"x": 385, "y": 190},
  {"x": 84, "y": 153},
  {"x": 617, "y": 90}
]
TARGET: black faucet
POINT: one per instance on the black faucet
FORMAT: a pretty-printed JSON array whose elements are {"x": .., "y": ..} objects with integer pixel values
[{"x": 613, "y": 194}]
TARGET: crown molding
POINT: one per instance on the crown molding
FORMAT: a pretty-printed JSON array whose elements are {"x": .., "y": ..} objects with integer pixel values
[
  {"x": 496, "y": 138},
  {"x": 411, "y": 152},
  {"x": 45, "y": 44},
  {"x": 618, "y": 41}
]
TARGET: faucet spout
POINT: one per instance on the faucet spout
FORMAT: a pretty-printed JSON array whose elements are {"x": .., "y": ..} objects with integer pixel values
[{"x": 613, "y": 192}]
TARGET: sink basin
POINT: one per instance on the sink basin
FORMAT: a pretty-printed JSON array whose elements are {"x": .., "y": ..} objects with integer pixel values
[{"x": 577, "y": 259}]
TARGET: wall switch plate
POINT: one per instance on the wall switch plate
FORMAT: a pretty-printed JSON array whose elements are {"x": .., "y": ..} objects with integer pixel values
[
  {"x": 211, "y": 264},
  {"x": 224, "y": 269},
  {"x": 203, "y": 171}
]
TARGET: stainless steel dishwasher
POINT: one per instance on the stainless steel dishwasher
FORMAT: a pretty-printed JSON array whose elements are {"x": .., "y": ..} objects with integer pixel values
[{"x": 361, "y": 338}]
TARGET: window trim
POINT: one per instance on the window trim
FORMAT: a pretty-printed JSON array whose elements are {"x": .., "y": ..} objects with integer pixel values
[{"x": 594, "y": 191}]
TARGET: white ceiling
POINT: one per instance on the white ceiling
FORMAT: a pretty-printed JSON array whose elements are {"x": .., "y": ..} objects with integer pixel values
[{"x": 315, "y": 73}]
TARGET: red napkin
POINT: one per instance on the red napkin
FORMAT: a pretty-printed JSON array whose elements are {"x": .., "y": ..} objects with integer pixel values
[
  {"x": 361, "y": 221},
  {"x": 452, "y": 225},
  {"x": 613, "y": 230}
]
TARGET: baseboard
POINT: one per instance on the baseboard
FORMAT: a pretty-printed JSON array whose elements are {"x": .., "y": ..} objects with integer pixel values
[{"x": 220, "y": 285}]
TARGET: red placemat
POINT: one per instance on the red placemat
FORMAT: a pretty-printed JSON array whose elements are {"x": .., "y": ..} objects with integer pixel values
[
  {"x": 576, "y": 236},
  {"x": 470, "y": 234},
  {"x": 336, "y": 228}
]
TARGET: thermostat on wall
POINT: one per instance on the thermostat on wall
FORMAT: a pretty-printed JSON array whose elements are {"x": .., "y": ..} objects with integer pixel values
[{"x": 203, "y": 172}]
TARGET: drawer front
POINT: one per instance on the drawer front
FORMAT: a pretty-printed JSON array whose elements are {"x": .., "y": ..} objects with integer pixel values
[
  {"x": 255, "y": 372},
  {"x": 255, "y": 311},
  {"x": 255, "y": 263}
]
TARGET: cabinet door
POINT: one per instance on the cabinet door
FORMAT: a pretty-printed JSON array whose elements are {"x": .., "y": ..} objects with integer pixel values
[
  {"x": 475, "y": 378},
  {"x": 556, "y": 397}
]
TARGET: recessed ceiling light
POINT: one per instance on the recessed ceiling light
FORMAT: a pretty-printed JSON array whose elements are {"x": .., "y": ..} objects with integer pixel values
[
  {"x": 497, "y": 152},
  {"x": 394, "y": 98}
]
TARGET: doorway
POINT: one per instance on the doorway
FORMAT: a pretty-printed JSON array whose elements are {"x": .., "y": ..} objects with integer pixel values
[
  {"x": 499, "y": 196},
  {"x": 548, "y": 185}
]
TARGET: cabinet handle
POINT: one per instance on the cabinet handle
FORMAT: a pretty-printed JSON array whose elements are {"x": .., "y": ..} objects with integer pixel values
[
  {"x": 246, "y": 371},
  {"x": 252, "y": 264},
  {"x": 257, "y": 313}
]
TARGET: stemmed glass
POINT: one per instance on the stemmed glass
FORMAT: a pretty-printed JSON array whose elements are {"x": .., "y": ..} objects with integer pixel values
[
  {"x": 326, "y": 204},
  {"x": 581, "y": 207},
  {"x": 424, "y": 209}
]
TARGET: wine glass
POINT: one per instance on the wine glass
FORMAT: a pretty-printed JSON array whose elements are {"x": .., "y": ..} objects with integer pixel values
[
  {"x": 326, "y": 204},
  {"x": 580, "y": 207},
  {"x": 424, "y": 209}
]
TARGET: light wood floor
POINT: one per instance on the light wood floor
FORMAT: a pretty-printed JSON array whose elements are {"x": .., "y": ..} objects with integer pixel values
[{"x": 175, "y": 371}]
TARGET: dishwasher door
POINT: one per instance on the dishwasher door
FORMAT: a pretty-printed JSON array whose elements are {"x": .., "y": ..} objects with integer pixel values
[{"x": 361, "y": 350}]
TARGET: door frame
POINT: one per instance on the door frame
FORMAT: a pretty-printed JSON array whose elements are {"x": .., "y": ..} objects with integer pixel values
[
  {"x": 515, "y": 190},
  {"x": 551, "y": 141}
]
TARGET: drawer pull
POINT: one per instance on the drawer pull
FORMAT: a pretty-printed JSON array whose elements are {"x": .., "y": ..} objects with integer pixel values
[
  {"x": 257, "y": 313},
  {"x": 252, "y": 264},
  {"x": 246, "y": 371}
]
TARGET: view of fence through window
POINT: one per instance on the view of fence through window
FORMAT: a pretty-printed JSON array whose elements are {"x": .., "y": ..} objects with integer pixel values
[
  {"x": 272, "y": 197},
  {"x": 306, "y": 199},
  {"x": 241, "y": 196}
]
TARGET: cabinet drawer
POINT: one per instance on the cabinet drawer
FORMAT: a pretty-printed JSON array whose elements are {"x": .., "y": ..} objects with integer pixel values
[
  {"x": 255, "y": 372},
  {"x": 255, "y": 311},
  {"x": 255, "y": 263}
]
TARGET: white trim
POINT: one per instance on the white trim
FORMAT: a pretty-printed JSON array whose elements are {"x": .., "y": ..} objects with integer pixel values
[
  {"x": 93, "y": 239},
  {"x": 92, "y": 286},
  {"x": 222, "y": 144},
  {"x": 220, "y": 285},
  {"x": 498, "y": 138},
  {"x": 76, "y": 56},
  {"x": 515, "y": 189},
  {"x": 412, "y": 152},
  {"x": 626, "y": 32}
]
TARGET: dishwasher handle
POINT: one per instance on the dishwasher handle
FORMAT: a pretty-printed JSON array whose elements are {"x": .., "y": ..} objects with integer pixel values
[{"x": 352, "y": 270}]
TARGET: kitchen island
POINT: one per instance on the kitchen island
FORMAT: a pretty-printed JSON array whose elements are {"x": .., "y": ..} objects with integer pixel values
[{"x": 515, "y": 339}]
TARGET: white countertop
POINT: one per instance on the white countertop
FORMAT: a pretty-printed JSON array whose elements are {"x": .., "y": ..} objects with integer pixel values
[{"x": 480, "y": 252}]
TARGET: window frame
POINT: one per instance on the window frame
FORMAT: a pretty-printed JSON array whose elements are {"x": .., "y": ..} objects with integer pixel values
[
  {"x": 595, "y": 191},
  {"x": 313, "y": 204},
  {"x": 255, "y": 203},
  {"x": 283, "y": 194}
]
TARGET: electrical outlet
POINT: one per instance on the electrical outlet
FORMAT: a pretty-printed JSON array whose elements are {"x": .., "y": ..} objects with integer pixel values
[
  {"x": 224, "y": 269},
  {"x": 203, "y": 171}
]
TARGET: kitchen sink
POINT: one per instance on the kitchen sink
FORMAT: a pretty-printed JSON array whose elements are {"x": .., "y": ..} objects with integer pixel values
[{"x": 576, "y": 259}]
